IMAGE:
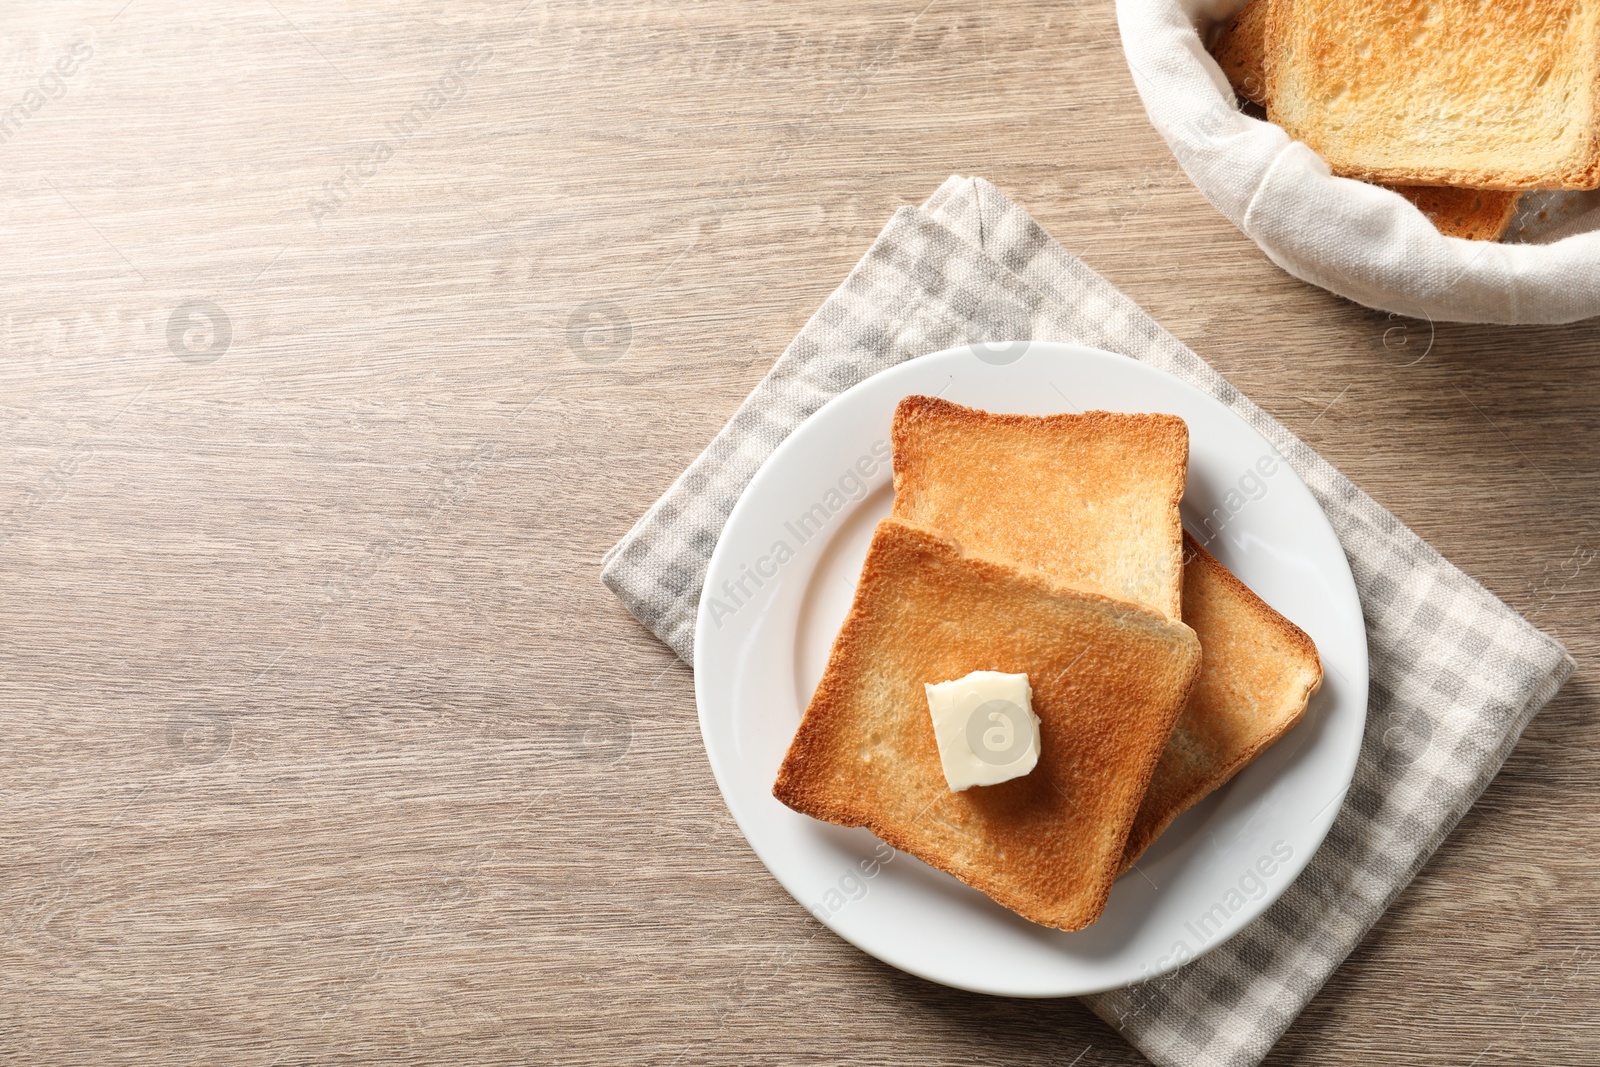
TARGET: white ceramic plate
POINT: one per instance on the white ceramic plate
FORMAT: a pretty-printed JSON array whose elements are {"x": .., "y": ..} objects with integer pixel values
[{"x": 779, "y": 586}]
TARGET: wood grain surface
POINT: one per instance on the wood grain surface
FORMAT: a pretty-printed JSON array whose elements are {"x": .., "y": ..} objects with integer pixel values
[{"x": 341, "y": 340}]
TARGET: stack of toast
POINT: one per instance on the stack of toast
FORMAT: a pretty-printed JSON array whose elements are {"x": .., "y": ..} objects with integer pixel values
[
  {"x": 1049, "y": 546},
  {"x": 1457, "y": 105}
]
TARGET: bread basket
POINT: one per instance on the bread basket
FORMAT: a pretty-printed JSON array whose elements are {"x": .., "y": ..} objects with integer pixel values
[{"x": 1363, "y": 242}]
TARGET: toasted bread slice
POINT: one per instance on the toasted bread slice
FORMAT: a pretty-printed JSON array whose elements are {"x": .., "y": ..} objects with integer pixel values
[
  {"x": 1441, "y": 92},
  {"x": 1241, "y": 51},
  {"x": 1108, "y": 680},
  {"x": 1474, "y": 214},
  {"x": 1258, "y": 670},
  {"x": 1090, "y": 499}
]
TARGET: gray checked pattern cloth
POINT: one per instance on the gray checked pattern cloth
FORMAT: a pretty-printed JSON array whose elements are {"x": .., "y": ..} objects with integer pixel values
[{"x": 1456, "y": 674}]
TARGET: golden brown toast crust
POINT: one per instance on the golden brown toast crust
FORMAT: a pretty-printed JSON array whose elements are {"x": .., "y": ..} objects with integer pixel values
[
  {"x": 1110, "y": 483},
  {"x": 1241, "y": 52},
  {"x": 1473, "y": 214},
  {"x": 1500, "y": 96},
  {"x": 1108, "y": 681},
  {"x": 1258, "y": 672}
]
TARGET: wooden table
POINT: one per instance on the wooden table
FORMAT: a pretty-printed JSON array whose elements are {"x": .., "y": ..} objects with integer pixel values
[{"x": 338, "y": 347}]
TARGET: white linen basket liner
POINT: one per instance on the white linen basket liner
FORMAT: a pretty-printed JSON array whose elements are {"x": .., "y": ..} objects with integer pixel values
[{"x": 1361, "y": 241}]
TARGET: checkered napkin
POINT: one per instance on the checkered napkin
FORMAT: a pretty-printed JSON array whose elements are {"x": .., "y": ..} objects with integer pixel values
[{"x": 1456, "y": 674}]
